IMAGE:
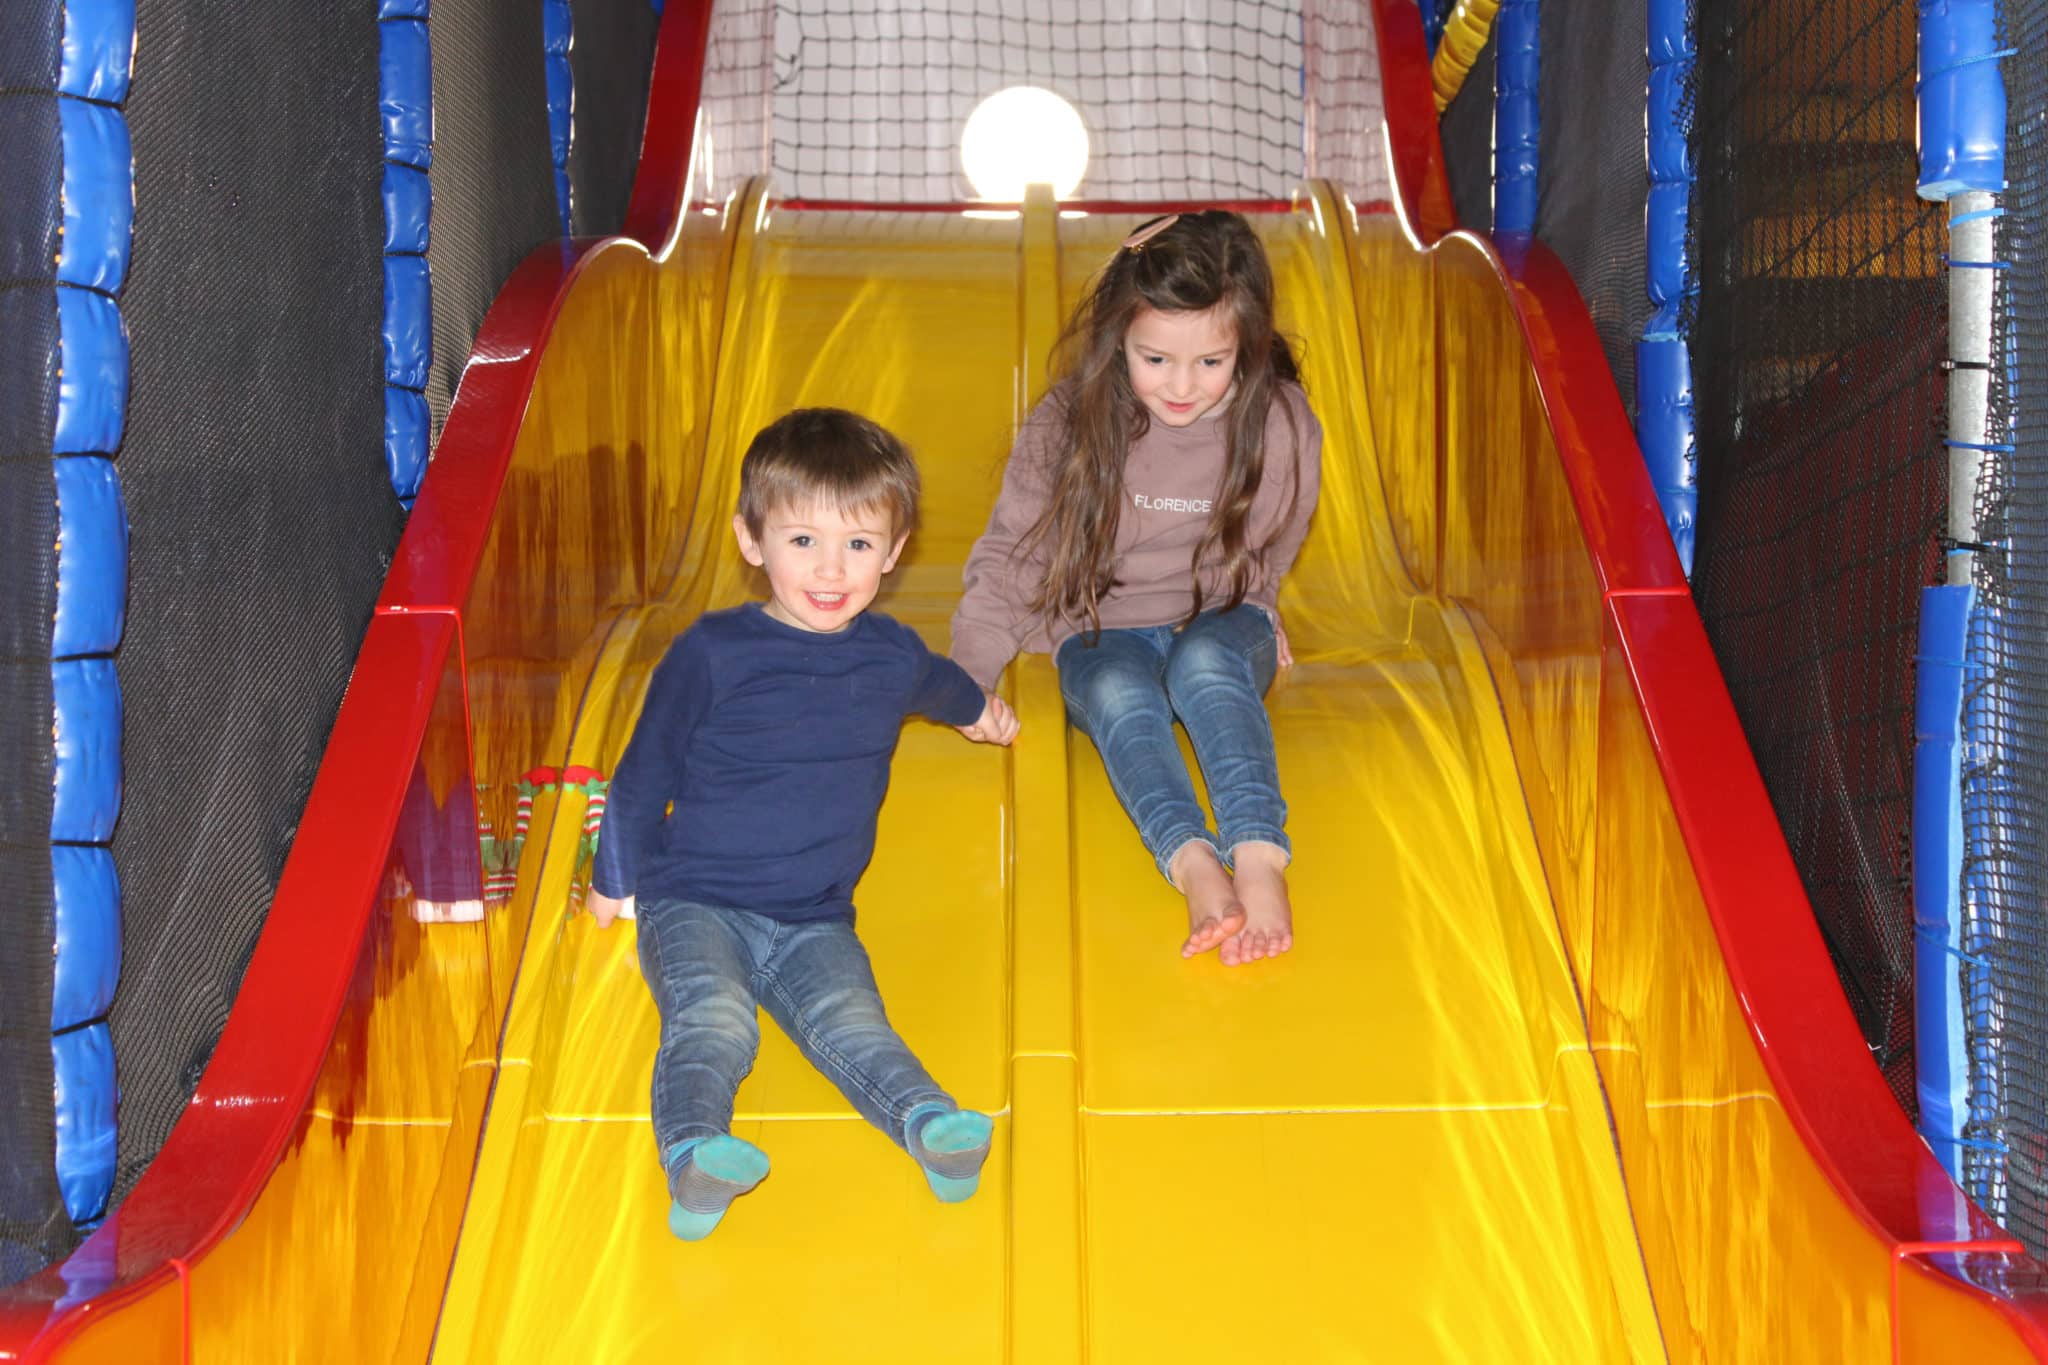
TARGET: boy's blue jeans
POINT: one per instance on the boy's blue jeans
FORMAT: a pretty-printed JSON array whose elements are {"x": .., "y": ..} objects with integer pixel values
[
  {"x": 708, "y": 966},
  {"x": 1125, "y": 687}
]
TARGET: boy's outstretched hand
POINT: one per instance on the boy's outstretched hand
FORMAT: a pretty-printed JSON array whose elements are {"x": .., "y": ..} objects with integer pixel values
[
  {"x": 997, "y": 725},
  {"x": 604, "y": 909}
]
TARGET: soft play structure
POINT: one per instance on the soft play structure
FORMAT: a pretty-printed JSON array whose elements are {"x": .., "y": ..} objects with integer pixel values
[{"x": 1560, "y": 1066}]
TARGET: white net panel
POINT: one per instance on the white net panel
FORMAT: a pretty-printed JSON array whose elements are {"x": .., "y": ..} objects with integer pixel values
[{"x": 1182, "y": 99}]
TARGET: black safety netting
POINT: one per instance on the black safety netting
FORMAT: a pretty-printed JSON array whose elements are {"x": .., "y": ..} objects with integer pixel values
[
  {"x": 34, "y": 1228},
  {"x": 1467, "y": 131},
  {"x": 493, "y": 173},
  {"x": 1181, "y": 99},
  {"x": 610, "y": 60},
  {"x": 1592, "y": 181},
  {"x": 2005, "y": 776},
  {"x": 1817, "y": 348},
  {"x": 260, "y": 513}
]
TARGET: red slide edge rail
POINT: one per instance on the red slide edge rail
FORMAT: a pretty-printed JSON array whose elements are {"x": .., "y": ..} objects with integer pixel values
[
  {"x": 231, "y": 1135},
  {"x": 1826, "y": 1082}
]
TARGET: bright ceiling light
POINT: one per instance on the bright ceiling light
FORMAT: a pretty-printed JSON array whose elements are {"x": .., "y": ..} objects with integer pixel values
[{"x": 1023, "y": 136}]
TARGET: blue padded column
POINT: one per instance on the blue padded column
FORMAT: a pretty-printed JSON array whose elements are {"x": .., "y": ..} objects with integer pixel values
[
  {"x": 1959, "y": 807},
  {"x": 406, "y": 98},
  {"x": 92, "y": 588},
  {"x": 1664, "y": 411},
  {"x": 559, "y": 28},
  {"x": 1517, "y": 118}
]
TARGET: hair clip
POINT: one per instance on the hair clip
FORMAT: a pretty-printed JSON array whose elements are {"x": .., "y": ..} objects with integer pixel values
[{"x": 1147, "y": 231}]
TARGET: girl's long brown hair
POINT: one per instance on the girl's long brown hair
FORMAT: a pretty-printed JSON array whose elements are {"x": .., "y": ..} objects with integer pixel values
[{"x": 1202, "y": 261}]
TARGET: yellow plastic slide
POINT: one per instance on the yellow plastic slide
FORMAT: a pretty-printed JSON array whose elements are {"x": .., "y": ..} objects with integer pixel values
[{"x": 1389, "y": 1145}]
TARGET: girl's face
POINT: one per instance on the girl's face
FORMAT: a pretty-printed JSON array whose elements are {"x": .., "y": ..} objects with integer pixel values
[{"x": 1181, "y": 363}]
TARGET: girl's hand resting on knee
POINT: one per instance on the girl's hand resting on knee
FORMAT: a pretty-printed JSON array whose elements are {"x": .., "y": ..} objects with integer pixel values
[
  {"x": 998, "y": 723},
  {"x": 1283, "y": 653}
]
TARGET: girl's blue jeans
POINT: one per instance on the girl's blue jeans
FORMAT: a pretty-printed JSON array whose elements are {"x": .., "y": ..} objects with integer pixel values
[
  {"x": 708, "y": 966},
  {"x": 1124, "y": 688}
]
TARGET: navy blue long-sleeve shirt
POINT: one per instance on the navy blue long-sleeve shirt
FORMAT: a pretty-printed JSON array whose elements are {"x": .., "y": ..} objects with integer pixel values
[{"x": 774, "y": 744}]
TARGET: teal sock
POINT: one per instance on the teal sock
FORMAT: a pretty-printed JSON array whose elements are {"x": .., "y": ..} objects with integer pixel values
[
  {"x": 950, "y": 1145},
  {"x": 704, "y": 1177}
]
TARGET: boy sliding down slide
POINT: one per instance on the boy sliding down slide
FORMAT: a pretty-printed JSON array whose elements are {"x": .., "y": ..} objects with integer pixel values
[{"x": 770, "y": 728}]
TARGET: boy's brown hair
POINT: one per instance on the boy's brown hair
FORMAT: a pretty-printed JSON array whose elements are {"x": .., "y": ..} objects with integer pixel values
[{"x": 829, "y": 456}]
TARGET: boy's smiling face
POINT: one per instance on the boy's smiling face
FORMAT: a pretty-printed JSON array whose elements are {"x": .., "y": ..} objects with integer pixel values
[{"x": 824, "y": 565}]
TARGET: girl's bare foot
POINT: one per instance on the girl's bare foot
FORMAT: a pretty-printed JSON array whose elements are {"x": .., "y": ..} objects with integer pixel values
[
  {"x": 1261, "y": 887},
  {"x": 1214, "y": 912}
]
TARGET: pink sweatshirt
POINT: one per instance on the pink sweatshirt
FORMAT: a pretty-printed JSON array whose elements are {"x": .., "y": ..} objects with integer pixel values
[{"x": 1171, "y": 480}]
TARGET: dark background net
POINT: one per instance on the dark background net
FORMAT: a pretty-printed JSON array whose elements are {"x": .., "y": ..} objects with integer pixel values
[
  {"x": 2005, "y": 902},
  {"x": 34, "y": 1228},
  {"x": 1467, "y": 131},
  {"x": 493, "y": 175},
  {"x": 1185, "y": 98},
  {"x": 261, "y": 518},
  {"x": 1592, "y": 181},
  {"x": 610, "y": 61},
  {"x": 1817, "y": 351}
]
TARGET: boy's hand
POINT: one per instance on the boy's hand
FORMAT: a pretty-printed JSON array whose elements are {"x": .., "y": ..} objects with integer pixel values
[
  {"x": 997, "y": 725},
  {"x": 604, "y": 909}
]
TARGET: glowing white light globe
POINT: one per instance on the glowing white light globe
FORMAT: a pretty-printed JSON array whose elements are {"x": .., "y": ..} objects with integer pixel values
[{"x": 1023, "y": 136}]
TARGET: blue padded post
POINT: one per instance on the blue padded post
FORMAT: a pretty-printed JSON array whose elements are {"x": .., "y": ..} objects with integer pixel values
[
  {"x": 559, "y": 33},
  {"x": 1963, "y": 799},
  {"x": 1943, "y": 1073},
  {"x": 1962, "y": 159},
  {"x": 1962, "y": 98},
  {"x": 88, "y": 895},
  {"x": 1516, "y": 117},
  {"x": 92, "y": 385},
  {"x": 86, "y": 1096},
  {"x": 99, "y": 50},
  {"x": 99, "y": 196},
  {"x": 406, "y": 98},
  {"x": 1664, "y": 408},
  {"x": 87, "y": 699},
  {"x": 98, "y": 208}
]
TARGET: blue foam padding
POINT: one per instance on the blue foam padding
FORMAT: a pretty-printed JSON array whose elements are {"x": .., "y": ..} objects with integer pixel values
[
  {"x": 92, "y": 557},
  {"x": 1667, "y": 268},
  {"x": 1998, "y": 816},
  {"x": 1941, "y": 1066},
  {"x": 1666, "y": 430},
  {"x": 405, "y": 71},
  {"x": 408, "y": 321},
  {"x": 561, "y": 101},
  {"x": 1962, "y": 98},
  {"x": 558, "y": 30},
  {"x": 408, "y": 209},
  {"x": 407, "y": 431},
  {"x": 99, "y": 49},
  {"x": 1664, "y": 406},
  {"x": 88, "y": 950},
  {"x": 86, "y": 1096},
  {"x": 87, "y": 702},
  {"x": 402, "y": 9},
  {"x": 92, "y": 384},
  {"x": 99, "y": 196},
  {"x": 1516, "y": 117}
]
